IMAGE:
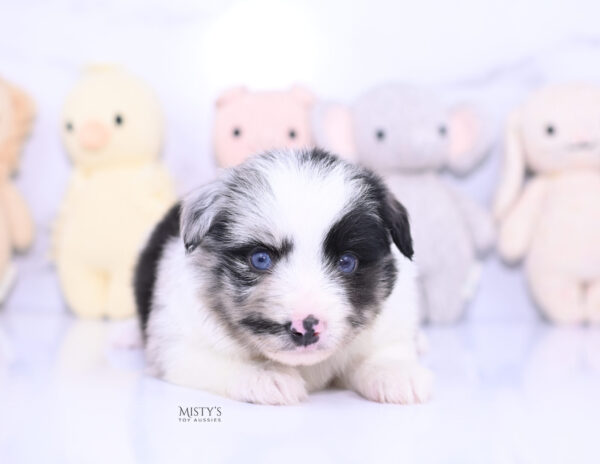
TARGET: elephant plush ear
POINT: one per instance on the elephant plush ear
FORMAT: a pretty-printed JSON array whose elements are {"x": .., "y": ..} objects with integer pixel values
[
  {"x": 229, "y": 95},
  {"x": 470, "y": 138},
  {"x": 333, "y": 129}
]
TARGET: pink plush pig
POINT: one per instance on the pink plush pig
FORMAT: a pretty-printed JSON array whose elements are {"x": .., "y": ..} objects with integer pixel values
[{"x": 252, "y": 122}]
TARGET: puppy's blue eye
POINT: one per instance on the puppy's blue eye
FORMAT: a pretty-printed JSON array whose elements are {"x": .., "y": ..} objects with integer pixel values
[
  {"x": 347, "y": 263},
  {"x": 261, "y": 260}
]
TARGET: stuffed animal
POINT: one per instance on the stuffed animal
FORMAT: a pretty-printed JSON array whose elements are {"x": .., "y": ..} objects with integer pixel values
[
  {"x": 552, "y": 217},
  {"x": 112, "y": 128},
  {"x": 408, "y": 136},
  {"x": 247, "y": 123},
  {"x": 16, "y": 224}
]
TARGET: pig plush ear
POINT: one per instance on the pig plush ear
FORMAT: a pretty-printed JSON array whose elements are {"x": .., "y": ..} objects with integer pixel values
[
  {"x": 303, "y": 95},
  {"x": 333, "y": 129},
  {"x": 513, "y": 169},
  {"x": 470, "y": 138},
  {"x": 230, "y": 94}
]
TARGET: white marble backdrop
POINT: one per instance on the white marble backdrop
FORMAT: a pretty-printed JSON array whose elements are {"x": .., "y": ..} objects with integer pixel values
[{"x": 494, "y": 52}]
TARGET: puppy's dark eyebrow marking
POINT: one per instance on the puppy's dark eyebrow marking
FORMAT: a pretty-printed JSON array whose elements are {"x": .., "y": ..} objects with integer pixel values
[
  {"x": 260, "y": 325},
  {"x": 278, "y": 251},
  {"x": 360, "y": 232}
]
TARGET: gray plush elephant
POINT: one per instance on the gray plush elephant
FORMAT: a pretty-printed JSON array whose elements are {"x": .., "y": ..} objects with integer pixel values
[{"x": 408, "y": 136}]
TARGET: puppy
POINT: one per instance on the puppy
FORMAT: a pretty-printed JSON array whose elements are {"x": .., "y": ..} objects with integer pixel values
[{"x": 288, "y": 274}]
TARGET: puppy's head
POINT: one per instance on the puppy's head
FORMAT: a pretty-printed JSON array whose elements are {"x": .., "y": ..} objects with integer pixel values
[{"x": 292, "y": 251}]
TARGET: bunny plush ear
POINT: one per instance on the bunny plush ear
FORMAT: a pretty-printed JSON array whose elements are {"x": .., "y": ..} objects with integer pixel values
[
  {"x": 230, "y": 94},
  {"x": 513, "y": 170},
  {"x": 23, "y": 104},
  {"x": 333, "y": 129},
  {"x": 470, "y": 138}
]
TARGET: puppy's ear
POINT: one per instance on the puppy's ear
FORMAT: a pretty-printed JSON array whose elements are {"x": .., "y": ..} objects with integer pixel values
[
  {"x": 396, "y": 220},
  {"x": 198, "y": 211}
]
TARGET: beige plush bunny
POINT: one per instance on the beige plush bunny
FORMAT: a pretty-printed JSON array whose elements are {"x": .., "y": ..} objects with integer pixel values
[{"x": 552, "y": 219}]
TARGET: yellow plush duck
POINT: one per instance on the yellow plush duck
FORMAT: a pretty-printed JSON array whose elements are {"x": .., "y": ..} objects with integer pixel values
[
  {"x": 112, "y": 128},
  {"x": 16, "y": 224}
]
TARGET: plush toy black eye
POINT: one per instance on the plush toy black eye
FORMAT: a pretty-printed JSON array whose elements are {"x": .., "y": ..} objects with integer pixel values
[
  {"x": 237, "y": 132},
  {"x": 380, "y": 134},
  {"x": 442, "y": 130},
  {"x": 118, "y": 119},
  {"x": 550, "y": 130},
  {"x": 292, "y": 134},
  {"x": 69, "y": 126}
]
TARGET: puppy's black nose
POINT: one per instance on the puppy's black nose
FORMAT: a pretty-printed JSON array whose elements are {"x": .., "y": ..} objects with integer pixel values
[
  {"x": 310, "y": 322},
  {"x": 303, "y": 334}
]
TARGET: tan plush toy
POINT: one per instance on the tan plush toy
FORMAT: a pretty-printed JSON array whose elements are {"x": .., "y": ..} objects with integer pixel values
[
  {"x": 552, "y": 218},
  {"x": 16, "y": 224},
  {"x": 112, "y": 128},
  {"x": 248, "y": 122}
]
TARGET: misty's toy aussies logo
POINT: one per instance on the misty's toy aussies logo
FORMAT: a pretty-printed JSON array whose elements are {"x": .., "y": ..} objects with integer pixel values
[{"x": 200, "y": 414}]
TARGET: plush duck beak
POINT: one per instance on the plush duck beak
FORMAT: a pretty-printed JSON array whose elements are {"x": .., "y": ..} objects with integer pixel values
[{"x": 93, "y": 135}]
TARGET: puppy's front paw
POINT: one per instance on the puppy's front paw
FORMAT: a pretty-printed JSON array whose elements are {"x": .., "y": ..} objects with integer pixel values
[
  {"x": 399, "y": 382},
  {"x": 269, "y": 386}
]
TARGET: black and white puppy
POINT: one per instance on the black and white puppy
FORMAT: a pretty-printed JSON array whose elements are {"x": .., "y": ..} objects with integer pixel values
[{"x": 281, "y": 278}]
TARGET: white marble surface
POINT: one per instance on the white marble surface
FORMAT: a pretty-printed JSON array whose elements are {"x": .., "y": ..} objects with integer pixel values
[
  {"x": 505, "y": 393},
  {"x": 509, "y": 389}
]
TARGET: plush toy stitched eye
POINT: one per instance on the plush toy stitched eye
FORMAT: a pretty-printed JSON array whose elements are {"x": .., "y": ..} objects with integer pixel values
[
  {"x": 261, "y": 260},
  {"x": 550, "y": 130},
  {"x": 348, "y": 263},
  {"x": 69, "y": 126},
  {"x": 380, "y": 134},
  {"x": 292, "y": 134},
  {"x": 442, "y": 130},
  {"x": 118, "y": 119},
  {"x": 237, "y": 132}
]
